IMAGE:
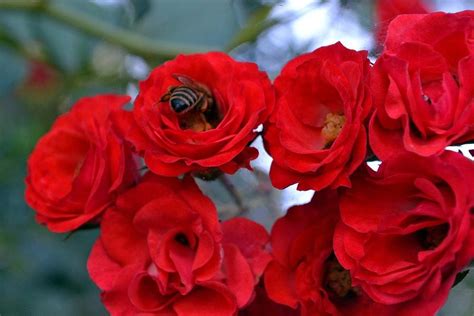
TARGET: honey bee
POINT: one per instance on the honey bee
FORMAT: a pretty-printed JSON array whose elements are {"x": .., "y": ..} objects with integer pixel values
[
  {"x": 190, "y": 95},
  {"x": 190, "y": 101}
]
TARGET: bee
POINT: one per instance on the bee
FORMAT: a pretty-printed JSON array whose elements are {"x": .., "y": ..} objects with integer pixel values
[
  {"x": 188, "y": 96},
  {"x": 191, "y": 101}
]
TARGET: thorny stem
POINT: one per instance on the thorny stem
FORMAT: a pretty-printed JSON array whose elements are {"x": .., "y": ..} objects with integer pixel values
[
  {"x": 265, "y": 188},
  {"x": 133, "y": 42},
  {"x": 229, "y": 186}
]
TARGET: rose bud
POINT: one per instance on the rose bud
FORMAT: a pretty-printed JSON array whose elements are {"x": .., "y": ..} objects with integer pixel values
[
  {"x": 305, "y": 274},
  {"x": 198, "y": 113},
  {"x": 163, "y": 251},
  {"x": 407, "y": 230},
  {"x": 77, "y": 168},
  {"x": 316, "y": 134},
  {"x": 423, "y": 85}
]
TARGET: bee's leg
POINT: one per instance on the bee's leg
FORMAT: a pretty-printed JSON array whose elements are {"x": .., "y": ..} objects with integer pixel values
[
  {"x": 205, "y": 105},
  {"x": 166, "y": 97}
]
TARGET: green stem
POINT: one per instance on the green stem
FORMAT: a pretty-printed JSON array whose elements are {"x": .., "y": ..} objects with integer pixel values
[
  {"x": 134, "y": 43},
  {"x": 21, "y": 4},
  {"x": 229, "y": 186},
  {"x": 14, "y": 45}
]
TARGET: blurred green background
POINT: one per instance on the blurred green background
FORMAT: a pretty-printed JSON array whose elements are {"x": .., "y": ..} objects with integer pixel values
[{"x": 54, "y": 52}]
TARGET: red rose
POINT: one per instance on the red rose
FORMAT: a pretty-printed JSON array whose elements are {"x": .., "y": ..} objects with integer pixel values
[
  {"x": 407, "y": 230},
  {"x": 316, "y": 134},
  {"x": 387, "y": 10},
  {"x": 199, "y": 112},
  {"x": 78, "y": 167},
  {"x": 245, "y": 258},
  {"x": 423, "y": 85},
  {"x": 262, "y": 305},
  {"x": 305, "y": 273},
  {"x": 163, "y": 251}
]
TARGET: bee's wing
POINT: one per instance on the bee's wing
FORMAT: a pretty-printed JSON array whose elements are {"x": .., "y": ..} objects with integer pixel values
[{"x": 188, "y": 81}]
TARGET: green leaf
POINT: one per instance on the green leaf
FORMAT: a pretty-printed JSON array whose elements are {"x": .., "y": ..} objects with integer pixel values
[
  {"x": 18, "y": 25},
  {"x": 68, "y": 48},
  {"x": 13, "y": 69},
  {"x": 93, "y": 87},
  {"x": 201, "y": 22},
  {"x": 140, "y": 8},
  {"x": 256, "y": 24}
]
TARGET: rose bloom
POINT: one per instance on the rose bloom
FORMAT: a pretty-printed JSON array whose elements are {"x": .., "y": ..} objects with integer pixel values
[
  {"x": 199, "y": 113},
  {"x": 262, "y": 305},
  {"x": 77, "y": 168},
  {"x": 162, "y": 251},
  {"x": 407, "y": 230},
  {"x": 387, "y": 10},
  {"x": 423, "y": 85},
  {"x": 305, "y": 273},
  {"x": 316, "y": 134}
]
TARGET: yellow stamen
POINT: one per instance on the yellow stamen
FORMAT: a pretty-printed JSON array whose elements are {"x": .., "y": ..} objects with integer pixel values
[
  {"x": 333, "y": 124},
  {"x": 338, "y": 279}
]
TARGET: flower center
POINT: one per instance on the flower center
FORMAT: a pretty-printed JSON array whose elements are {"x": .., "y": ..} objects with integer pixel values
[
  {"x": 182, "y": 239},
  {"x": 432, "y": 237},
  {"x": 338, "y": 280},
  {"x": 193, "y": 104},
  {"x": 333, "y": 124},
  {"x": 427, "y": 99}
]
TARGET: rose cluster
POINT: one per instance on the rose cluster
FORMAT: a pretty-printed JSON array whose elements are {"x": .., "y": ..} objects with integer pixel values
[{"x": 385, "y": 242}]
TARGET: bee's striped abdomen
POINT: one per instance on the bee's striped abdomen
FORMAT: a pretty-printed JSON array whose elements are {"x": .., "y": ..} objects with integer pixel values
[{"x": 183, "y": 99}]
